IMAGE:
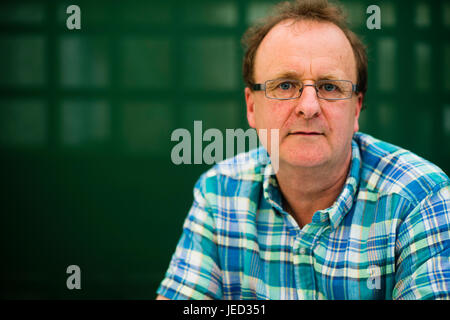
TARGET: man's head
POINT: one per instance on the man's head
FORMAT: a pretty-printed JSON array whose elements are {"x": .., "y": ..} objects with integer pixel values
[
  {"x": 306, "y": 10},
  {"x": 306, "y": 44}
]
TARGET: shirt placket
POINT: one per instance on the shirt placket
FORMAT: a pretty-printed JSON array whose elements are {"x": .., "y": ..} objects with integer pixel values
[
  {"x": 303, "y": 252},
  {"x": 303, "y": 268}
]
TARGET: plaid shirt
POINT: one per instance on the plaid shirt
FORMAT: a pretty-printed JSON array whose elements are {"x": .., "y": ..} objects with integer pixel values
[{"x": 386, "y": 236}]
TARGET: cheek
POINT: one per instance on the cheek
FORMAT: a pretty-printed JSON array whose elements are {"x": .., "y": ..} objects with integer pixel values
[
  {"x": 341, "y": 121},
  {"x": 272, "y": 116}
]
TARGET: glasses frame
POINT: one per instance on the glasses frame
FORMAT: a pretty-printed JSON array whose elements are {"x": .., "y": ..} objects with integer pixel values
[{"x": 263, "y": 86}]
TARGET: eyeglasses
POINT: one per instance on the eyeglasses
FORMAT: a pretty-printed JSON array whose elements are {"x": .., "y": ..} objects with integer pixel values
[{"x": 287, "y": 89}]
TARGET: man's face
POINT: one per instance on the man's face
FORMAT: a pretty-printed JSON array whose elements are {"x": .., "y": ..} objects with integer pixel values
[{"x": 312, "y": 132}]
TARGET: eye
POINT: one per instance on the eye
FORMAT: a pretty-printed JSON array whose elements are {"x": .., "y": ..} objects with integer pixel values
[
  {"x": 329, "y": 87},
  {"x": 285, "y": 85}
]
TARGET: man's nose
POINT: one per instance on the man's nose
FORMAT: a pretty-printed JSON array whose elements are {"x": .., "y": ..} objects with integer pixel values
[{"x": 308, "y": 104}]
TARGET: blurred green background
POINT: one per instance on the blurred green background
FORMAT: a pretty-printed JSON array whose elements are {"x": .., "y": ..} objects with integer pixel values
[{"x": 86, "y": 117}]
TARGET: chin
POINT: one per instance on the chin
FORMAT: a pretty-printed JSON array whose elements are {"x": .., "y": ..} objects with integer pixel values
[
  {"x": 304, "y": 154},
  {"x": 304, "y": 158}
]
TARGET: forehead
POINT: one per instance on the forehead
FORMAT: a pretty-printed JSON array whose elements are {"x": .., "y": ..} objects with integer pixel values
[{"x": 309, "y": 49}]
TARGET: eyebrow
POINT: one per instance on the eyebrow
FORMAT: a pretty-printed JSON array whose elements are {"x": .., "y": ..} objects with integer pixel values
[
  {"x": 295, "y": 75},
  {"x": 329, "y": 76},
  {"x": 288, "y": 74}
]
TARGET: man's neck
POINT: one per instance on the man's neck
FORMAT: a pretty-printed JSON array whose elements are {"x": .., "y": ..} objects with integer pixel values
[{"x": 306, "y": 190}]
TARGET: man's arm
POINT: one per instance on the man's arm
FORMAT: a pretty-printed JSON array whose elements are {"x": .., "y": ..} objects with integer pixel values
[
  {"x": 160, "y": 297},
  {"x": 423, "y": 250},
  {"x": 194, "y": 271}
]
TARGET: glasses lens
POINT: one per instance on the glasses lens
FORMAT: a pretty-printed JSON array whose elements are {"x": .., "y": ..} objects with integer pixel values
[
  {"x": 334, "y": 89},
  {"x": 283, "y": 89}
]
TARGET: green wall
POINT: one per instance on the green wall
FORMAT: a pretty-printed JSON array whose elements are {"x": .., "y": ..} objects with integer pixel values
[{"x": 86, "y": 117}]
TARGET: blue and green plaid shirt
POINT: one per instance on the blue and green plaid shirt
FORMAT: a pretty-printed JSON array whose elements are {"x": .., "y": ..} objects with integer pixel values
[{"x": 387, "y": 235}]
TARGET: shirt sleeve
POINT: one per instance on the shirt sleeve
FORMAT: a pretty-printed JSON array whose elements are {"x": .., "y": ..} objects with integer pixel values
[
  {"x": 193, "y": 271},
  {"x": 423, "y": 250}
]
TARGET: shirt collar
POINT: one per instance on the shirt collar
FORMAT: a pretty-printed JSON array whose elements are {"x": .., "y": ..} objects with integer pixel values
[{"x": 338, "y": 209}]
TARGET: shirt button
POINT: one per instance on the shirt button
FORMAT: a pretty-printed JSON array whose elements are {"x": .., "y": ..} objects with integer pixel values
[{"x": 302, "y": 250}]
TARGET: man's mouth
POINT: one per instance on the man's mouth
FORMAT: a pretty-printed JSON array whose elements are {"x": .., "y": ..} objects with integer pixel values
[{"x": 306, "y": 133}]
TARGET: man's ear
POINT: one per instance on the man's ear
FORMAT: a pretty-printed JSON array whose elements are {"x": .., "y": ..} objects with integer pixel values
[
  {"x": 249, "y": 100},
  {"x": 358, "y": 108}
]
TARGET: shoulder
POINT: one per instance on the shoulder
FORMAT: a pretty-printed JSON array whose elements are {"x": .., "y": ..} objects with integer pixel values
[
  {"x": 389, "y": 169},
  {"x": 228, "y": 176}
]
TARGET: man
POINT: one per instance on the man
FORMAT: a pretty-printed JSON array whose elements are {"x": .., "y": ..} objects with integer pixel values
[{"x": 346, "y": 216}]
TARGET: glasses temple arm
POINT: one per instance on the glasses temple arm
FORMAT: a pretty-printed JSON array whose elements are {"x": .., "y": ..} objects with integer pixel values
[{"x": 258, "y": 87}]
